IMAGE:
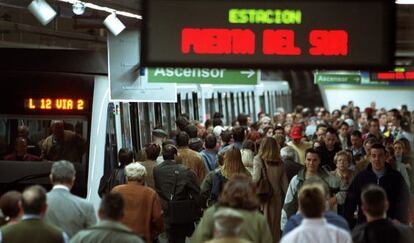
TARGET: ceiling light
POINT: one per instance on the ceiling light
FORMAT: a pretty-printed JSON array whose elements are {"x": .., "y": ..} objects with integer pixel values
[
  {"x": 105, "y": 9},
  {"x": 114, "y": 24},
  {"x": 404, "y": 2},
  {"x": 78, "y": 8},
  {"x": 42, "y": 11}
]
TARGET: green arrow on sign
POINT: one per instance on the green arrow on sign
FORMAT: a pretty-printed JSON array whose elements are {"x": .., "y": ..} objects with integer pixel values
[
  {"x": 202, "y": 76},
  {"x": 337, "y": 78}
]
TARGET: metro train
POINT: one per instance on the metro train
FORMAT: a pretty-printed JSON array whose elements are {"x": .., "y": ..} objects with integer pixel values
[{"x": 80, "y": 96}]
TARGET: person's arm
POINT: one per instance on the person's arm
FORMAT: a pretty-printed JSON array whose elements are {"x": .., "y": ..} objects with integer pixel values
[
  {"x": 192, "y": 186},
  {"x": 402, "y": 200},
  {"x": 205, "y": 228},
  {"x": 257, "y": 169},
  {"x": 157, "y": 222},
  {"x": 351, "y": 201},
  {"x": 206, "y": 187},
  {"x": 290, "y": 204},
  {"x": 91, "y": 216}
]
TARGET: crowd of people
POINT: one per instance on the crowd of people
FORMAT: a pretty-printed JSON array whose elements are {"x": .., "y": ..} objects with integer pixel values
[{"x": 305, "y": 176}]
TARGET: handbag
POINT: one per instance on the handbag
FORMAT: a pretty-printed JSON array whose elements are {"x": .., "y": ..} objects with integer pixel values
[
  {"x": 264, "y": 189},
  {"x": 182, "y": 211}
]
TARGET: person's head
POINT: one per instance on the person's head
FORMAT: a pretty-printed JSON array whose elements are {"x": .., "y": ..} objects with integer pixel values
[
  {"x": 159, "y": 135},
  {"x": 21, "y": 146},
  {"x": 279, "y": 130},
  {"x": 368, "y": 144},
  {"x": 344, "y": 129},
  {"x": 152, "y": 151},
  {"x": 23, "y": 131},
  {"x": 320, "y": 132},
  {"x": 34, "y": 200},
  {"x": 57, "y": 127},
  {"x": 210, "y": 141},
  {"x": 191, "y": 130},
  {"x": 374, "y": 127},
  {"x": 363, "y": 119},
  {"x": 111, "y": 207},
  {"x": 135, "y": 172},
  {"x": 296, "y": 134},
  {"x": 374, "y": 202},
  {"x": 356, "y": 139},
  {"x": 227, "y": 222},
  {"x": 311, "y": 200},
  {"x": 382, "y": 118},
  {"x": 182, "y": 139},
  {"x": 239, "y": 193},
  {"x": 248, "y": 144},
  {"x": 232, "y": 163},
  {"x": 242, "y": 119},
  {"x": 330, "y": 138},
  {"x": 125, "y": 156},
  {"x": 9, "y": 205},
  {"x": 269, "y": 151},
  {"x": 217, "y": 115},
  {"x": 238, "y": 134},
  {"x": 268, "y": 131},
  {"x": 217, "y": 122},
  {"x": 377, "y": 157},
  {"x": 226, "y": 136},
  {"x": 312, "y": 161},
  {"x": 63, "y": 172},
  {"x": 169, "y": 152},
  {"x": 265, "y": 121},
  {"x": 342, "y": 160},
  {"x": 288, "y": 154},
  {"x": 398, "y": 148},
  {"x": 182, "y": 122}
]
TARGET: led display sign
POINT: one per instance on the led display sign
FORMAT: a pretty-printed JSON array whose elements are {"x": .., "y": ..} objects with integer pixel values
[
  {"x": 259, "y": 33},
  {"x": 55, "y": 104},
  {"x": 393, "y": 76}
]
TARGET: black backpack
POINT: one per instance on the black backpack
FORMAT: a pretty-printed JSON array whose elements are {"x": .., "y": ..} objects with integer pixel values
[
  {"x": 107, "y": 182},
  {"x": 217, "y": 186}
]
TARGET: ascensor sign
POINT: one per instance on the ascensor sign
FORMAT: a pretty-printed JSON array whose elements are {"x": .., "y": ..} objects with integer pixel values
[{"x": 304, "y": 33}]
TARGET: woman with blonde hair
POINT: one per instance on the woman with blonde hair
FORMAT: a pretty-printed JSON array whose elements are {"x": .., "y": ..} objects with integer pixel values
[
  {"x": 268, "y": 163},
  {"x": 215, "y": 180}
]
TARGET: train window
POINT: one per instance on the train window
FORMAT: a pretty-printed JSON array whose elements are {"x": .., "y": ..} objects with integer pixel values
[
  {"x": 196, "y": 106},
  {"x": 226, "y": 113},
  {"x": 158, "y": 115},
  {"x": 254, "y": 103},
  {"x": 243, "y": 98},
  {"x": 145, "y": 122},
  {"x": 262, "y": 102},
  {"x": 135, "y": 125},
  {"x": 212, "y": 105},
  {"x": 232, "y": 107},
  {"x": 220, "y": 102},
  {"x": 178, "y": 105},
  {"x": 187, "y": 105}
]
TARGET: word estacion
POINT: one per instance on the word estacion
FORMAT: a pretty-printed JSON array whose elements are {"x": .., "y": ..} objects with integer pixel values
[{"x": 222, "y": 41}]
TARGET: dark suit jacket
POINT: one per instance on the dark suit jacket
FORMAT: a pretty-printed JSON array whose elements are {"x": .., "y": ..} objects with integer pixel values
[{"x": 382, "y": 231}]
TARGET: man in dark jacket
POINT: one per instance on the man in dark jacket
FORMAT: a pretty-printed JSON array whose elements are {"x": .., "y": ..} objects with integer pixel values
[
  {"x": 168, "y": 175},
  {"x": 328, "y": 149},
  {"x": 380, "y": 173},
  {"x": 378, "y": 228}
]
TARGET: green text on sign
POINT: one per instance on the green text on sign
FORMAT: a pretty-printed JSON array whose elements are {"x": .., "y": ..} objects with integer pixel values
[
  {"x": 331, "y": 78},
  {"x": 202, "y": 76}
]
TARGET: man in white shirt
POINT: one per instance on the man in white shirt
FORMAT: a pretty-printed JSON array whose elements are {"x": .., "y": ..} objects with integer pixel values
[{"x": 314, "y": 228}]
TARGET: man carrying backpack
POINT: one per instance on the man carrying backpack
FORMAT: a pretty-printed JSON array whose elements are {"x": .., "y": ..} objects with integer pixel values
[{"x": 178, "y": 189}]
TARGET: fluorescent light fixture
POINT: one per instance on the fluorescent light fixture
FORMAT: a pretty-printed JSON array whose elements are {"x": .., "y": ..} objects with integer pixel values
[
  {"x": 105, "y": 9},
  {"x": 114, "y": 24},
  {"x": 404, "y": 1},
  {"x": 42, "y": 11}
]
